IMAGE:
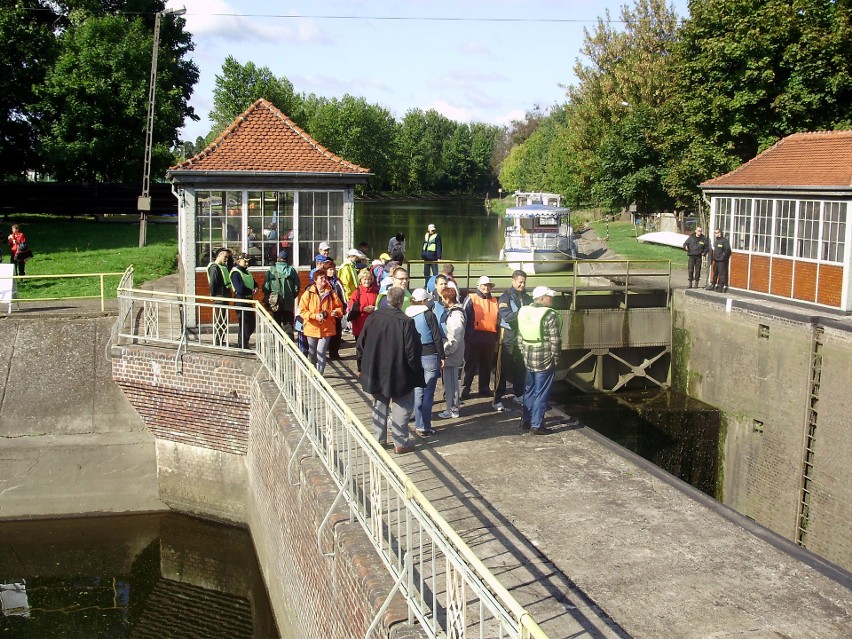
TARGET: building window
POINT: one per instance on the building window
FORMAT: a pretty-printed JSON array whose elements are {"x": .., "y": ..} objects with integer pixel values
[
  {"x": 218, "y": 220},
  {"x": 785, "y": 226},
  {"x": 270, "y": 225},
  {"x": 762, "y": 242},
  {"x": 722, "y": 220},
  {"x": 320, "y": 219},
  {"x": 808, "y": 230},
  {"x": 740, "y": 230},
  {"x": 833, "y": 231}
]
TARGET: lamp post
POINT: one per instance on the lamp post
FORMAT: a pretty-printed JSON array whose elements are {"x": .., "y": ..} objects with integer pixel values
[{"x": 143, "y": 204}]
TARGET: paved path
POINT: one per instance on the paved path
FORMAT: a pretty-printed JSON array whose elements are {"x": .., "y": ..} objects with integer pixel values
[{"x": 597, "y": 543}]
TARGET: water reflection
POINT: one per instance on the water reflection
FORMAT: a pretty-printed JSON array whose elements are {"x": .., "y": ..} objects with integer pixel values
[
  {"x": 468, "y": 231},
  {"x": 673, "y": 431},
  {"x": 131, "y": 576}
]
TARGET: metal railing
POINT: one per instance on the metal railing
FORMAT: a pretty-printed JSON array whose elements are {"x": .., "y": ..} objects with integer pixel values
[
  {"x": 14, "y": 299},
  {"x": 449, "y": 591}
]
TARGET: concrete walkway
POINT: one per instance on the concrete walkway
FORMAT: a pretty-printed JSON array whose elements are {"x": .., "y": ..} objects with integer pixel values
[{"x": 597, "y": 543}]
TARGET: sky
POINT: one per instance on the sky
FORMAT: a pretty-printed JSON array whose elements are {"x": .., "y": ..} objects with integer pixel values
[{"x": 485, "y": 61}]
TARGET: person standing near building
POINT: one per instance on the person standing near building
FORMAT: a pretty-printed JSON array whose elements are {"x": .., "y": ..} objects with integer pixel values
[
  {"x": 481, "y": 338},
  {"x": 219, "y": 281},
  {"x": 323, "y": 254},
  {"x": 348, "y": 274},
  {"x": 720, "y": 254},
  {"x": 244, "y": 289},
  {"x": 431, "y": 252},
  {"x": 432, "y": 358},
  {"x": 510, "y": 361},
  {"x": 319, "y": 308},
  {"x": 540, "y": 331},
  {"x": 696, "y": 246},
  {"x": 362, "y": 302},
  {"x": 396, "y": 249},
  {"x": 282, "y": 280},
  {"x": 388, "y": 359}
]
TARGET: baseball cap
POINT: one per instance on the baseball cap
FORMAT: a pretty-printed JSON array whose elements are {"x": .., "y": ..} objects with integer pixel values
[
  {"x": 541, "y": 291},
  {"x": 355, "y": 253},
  {"x": 431, "y": 227},
  {"x": 244, "y": 256},
  {"x": 282, "y": 255},
  {"x": 324, "y": 245},
  {"x": 384, "y": 257},
  {"x": 484, "y": 279},
  {"x": 420, "y": 295}
]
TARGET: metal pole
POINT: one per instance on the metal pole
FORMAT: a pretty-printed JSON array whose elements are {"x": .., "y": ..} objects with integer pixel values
[{"x": 144, "y": 202}]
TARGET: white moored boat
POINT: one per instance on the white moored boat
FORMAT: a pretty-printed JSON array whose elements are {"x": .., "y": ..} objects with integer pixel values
[{"x": 539, "y": 237}]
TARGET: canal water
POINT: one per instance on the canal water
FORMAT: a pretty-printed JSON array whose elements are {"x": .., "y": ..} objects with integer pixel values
[{"x": 159, "y": 575}]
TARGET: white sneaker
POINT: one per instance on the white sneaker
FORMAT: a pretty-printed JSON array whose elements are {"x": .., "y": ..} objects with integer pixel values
[
  {"x": 519, "y": 399},
  {"x": 447, "y": 414},
  {"x": 498, "y": 406}
]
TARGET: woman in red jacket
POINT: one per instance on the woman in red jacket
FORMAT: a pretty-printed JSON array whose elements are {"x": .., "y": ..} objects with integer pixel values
[
  {"x": 18, "y": 241},
  {"x": 363, "y": 301},
  {"x": 319, "y": 306}
]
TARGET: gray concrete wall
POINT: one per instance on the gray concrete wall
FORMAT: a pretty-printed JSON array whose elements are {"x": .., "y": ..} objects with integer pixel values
[
  {"x": 755, "y": 366},
  {"x": 70, "y": 442}
]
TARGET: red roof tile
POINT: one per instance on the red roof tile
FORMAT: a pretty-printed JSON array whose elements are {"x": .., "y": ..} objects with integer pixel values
[
  {"x": 262, "y": 139},
  {"x": 821, "y": 159}
]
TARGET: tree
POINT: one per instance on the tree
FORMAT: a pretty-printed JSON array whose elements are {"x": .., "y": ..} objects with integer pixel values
[
  {"x": 749, "y": 72},
  {"x": 93, "y": 103},
  {"x": 27, "y": 49},
  {"x": 360, "y": 132},
  {"x": 240, "y": 85}
]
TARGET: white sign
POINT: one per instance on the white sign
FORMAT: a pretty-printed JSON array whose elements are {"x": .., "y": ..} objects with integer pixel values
[{"x": 8, "y": 288}]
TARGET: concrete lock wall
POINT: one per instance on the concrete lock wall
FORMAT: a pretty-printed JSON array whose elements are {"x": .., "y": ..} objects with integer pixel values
[
  {"x": 70, "y": 442},
  {"x": 756, "y": 368},
  {"x": 240, "y": 474}
]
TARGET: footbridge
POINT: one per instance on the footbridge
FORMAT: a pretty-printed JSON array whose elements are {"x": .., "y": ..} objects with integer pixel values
[{"x": 487, "y": 532}]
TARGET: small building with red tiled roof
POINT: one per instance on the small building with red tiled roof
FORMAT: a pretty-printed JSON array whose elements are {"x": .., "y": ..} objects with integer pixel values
[
  {"x": 263, "y": 185},
  {"x": 785, "y": 215}
]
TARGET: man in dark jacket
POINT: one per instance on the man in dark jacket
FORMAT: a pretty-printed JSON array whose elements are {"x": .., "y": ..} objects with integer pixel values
[
  {"x": 244, "y": 289},
  {"x": 388, "y": 355},
  {"x": 721, "y": 254},
  {"x": 510, "y": 360},
  {"x": 697, "y": 247}
]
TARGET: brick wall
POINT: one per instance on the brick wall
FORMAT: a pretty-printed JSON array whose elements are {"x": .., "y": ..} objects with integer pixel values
[
  {"x": 223, "y": 453},
  {"x": 804, "y": 281},
  {"x": 782, "y": 277},
  {"x": 830, "y": 285},
  {"x": 738, "y": 270},
  {"x": 759, "y": 273}
]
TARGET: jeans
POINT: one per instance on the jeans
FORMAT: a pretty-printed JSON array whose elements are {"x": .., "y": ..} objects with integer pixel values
[
  {"x": 429, "y": 269},
  {"x": 451, "y": 387},
  {"x": 317, "y": 351},
  {"x": 399, "y": 412},
  {"x": 424, "y": 398},
  {"x": 536, "y": 394}
]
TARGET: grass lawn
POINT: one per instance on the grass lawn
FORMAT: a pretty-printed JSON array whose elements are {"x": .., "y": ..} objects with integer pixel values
[
  {"x": 64, "y": 246},
  {"x": 622, "y": 240}
]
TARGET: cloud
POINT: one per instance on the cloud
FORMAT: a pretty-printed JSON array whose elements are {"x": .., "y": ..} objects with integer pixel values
[
  {"x": 218, "y": 19},
  {"x": 475, "y": 48}
]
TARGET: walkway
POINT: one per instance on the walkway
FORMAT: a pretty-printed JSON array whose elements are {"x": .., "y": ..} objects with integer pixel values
[{"x": 595, "y": 542}]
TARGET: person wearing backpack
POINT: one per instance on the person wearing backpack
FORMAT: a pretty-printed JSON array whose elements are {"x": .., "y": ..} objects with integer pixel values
[{"x": 280, "y": 289}]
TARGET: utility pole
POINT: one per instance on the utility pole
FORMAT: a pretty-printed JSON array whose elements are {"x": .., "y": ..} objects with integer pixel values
[{"x": 144, "y": 200}]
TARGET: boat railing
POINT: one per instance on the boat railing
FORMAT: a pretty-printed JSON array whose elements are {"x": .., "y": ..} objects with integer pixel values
[{"x": 531, "y": 240}]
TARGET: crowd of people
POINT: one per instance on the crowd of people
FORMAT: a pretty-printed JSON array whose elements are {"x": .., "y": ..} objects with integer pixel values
[{"x": 406, "y": 341}]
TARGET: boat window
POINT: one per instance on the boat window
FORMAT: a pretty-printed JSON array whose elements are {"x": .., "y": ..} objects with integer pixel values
[{"x": 547, "y": 222}]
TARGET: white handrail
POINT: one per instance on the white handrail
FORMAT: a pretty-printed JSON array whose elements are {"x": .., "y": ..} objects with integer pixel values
[{"x": 440, "y": 577}]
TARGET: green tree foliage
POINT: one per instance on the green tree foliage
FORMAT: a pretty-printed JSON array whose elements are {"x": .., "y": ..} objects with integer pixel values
[
  {"x": 749, "y": 72},
  {"x": 240, "y": 85},
  {"x": 360, "y": 132},
  {"x": 93, "y": 104},
  {"x": 27, "y": 49}
]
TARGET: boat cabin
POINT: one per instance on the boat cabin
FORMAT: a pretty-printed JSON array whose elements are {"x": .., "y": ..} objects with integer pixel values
[
  {"x": 262, "y": 186},
  {"x": 525, "y": 198},
  {"x": 785, "y": 215}
]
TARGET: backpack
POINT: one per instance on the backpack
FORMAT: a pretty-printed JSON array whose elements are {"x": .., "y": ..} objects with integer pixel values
[{"x": 275, "y": 297}]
